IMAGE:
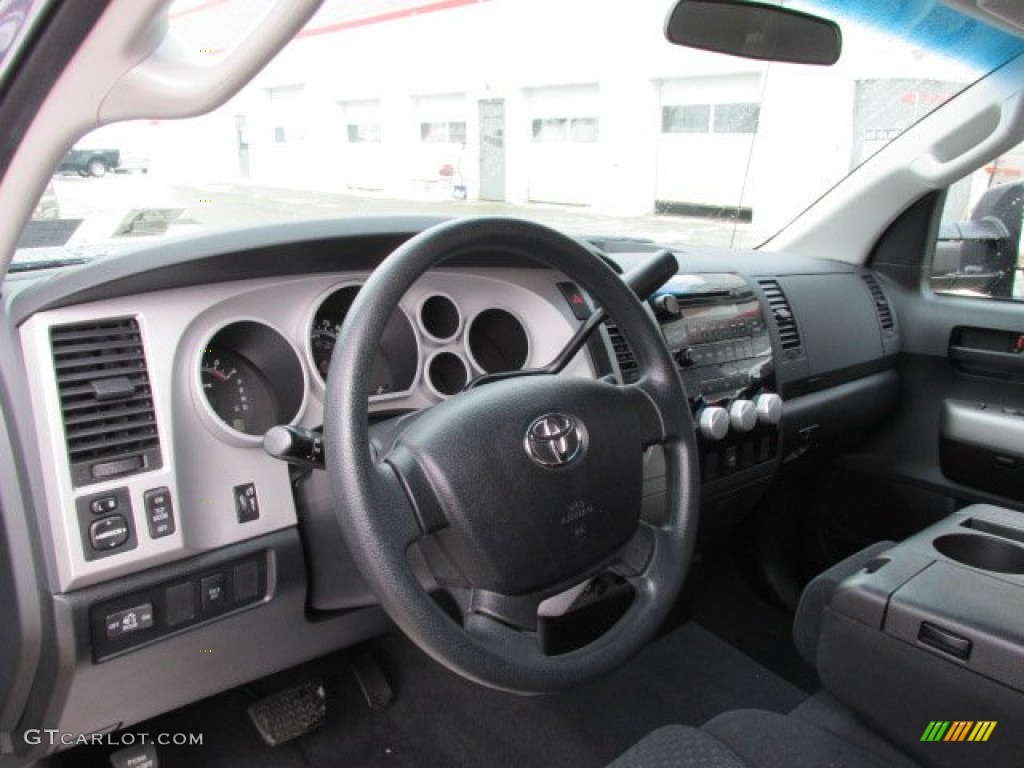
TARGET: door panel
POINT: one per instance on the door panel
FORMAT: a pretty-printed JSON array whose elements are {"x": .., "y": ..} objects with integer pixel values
[{"x": 963, "y": 363}]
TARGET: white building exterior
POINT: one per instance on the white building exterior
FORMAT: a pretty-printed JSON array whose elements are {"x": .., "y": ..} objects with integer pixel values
[{"x": 394, "y": 97}]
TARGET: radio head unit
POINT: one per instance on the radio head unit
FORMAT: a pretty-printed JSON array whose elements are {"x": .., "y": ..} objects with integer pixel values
[{"x": 714, "y": 327}]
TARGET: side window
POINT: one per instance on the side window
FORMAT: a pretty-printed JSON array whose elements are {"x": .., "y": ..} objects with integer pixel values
[{"x": 979, "y": 251}]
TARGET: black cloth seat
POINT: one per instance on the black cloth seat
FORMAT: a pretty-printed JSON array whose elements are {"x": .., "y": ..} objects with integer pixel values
[{"x": 749, "y": 738}]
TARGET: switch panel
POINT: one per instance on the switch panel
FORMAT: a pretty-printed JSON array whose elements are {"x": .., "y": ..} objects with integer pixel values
[{"x": 147, "y": 615}]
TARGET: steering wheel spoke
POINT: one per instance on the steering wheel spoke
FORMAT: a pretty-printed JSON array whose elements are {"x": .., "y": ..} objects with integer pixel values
[
  {"x": 632, "y": 561},
  {"x": 519, "y": 612},
  {"x": 649, "y": 420},
  {"x": 395, "y": 508}
]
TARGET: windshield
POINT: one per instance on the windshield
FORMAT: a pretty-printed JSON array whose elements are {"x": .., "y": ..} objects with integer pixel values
[{"x": 574, "y": 113}]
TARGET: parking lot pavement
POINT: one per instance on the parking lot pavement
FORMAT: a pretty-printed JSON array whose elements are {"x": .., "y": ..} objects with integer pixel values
[{"x": 104, "y": 204}]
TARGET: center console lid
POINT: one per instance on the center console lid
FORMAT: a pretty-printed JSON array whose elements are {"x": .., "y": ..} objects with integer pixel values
[{"x": 932, "y": 630}]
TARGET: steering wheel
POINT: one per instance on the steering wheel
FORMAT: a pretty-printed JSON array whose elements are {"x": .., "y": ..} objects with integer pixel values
[{"x": 516, "y": 492}]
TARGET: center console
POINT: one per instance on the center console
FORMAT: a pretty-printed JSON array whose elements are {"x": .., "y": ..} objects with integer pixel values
[
  {"x": 926, "y": 641},
  {"x": 714, "y": 326}
]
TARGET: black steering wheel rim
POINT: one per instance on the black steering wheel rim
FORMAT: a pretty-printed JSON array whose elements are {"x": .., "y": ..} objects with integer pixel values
[{"x": 374, "y": 497}]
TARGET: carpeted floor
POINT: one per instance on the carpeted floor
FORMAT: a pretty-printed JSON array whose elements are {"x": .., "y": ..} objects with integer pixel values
[{"x": 440, "y": 720}]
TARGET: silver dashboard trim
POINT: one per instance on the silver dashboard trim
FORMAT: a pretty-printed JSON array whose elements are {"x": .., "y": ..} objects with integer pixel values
[{"x": 200, "y": 467}]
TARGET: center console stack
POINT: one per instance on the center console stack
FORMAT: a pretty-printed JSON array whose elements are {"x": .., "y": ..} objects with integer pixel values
[
  {"x": 717, "y": 334},
  {"x": 928, "y": 636}
]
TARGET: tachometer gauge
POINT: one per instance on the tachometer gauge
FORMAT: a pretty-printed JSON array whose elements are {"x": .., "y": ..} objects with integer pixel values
[
  {"x": 397, "y": 361},
  {"x": 237, "y": 392},
  {"x": 250, "y": 379}
]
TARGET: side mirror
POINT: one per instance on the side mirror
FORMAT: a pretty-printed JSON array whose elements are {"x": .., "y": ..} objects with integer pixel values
[
  {"x": 979, "y": 256},
  {"x": 754, "y": 31}
]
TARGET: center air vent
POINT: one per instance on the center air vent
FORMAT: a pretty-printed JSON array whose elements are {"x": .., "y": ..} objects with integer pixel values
[
  {"x": 105, "y": 399},
  {"x": 881, "y": 303},
  {"x": 623, "y": 354},
  {"x": 785, "y": 322}
]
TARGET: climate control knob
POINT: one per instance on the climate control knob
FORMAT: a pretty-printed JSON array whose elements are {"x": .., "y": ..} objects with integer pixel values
[
  {"x": 713, "y": 422},
  {"x": 769, "y": 408},
  {"x": 742, "y": 415}
]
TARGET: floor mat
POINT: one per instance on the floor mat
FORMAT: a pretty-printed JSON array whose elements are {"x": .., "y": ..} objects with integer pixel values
[
  {"x": 439, "y": 720},
  {"x": 718, "y": 598}
]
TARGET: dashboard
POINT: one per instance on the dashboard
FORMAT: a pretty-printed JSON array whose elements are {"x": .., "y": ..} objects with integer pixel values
[
  {"x": 168, "y": 529},
  {"x": 174, "y": 390}
]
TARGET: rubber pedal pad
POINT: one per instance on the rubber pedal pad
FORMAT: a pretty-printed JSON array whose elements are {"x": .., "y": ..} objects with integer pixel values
[{"x": 290, "y": 713}]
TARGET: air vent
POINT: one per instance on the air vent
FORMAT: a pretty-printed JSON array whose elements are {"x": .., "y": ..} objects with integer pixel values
[
  {"x": 623, "y": 354},
  {"x": 785, "y": 322},
  {"x": 881, "y": 303},
  {"x": 105, "y": 399}
]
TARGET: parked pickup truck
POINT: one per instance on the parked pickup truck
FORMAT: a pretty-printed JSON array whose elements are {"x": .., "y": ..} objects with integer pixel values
[{"x": 97, "y": 162}]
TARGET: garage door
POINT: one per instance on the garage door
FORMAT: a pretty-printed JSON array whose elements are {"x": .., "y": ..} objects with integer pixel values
[
  {"x": 707, "y": 131},
  {"x": 363, "y": 154},
  {"x": 563, "y": 154}
]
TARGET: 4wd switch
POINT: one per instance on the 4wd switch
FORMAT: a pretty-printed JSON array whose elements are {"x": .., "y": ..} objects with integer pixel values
[{"x": 159, "y": 512}]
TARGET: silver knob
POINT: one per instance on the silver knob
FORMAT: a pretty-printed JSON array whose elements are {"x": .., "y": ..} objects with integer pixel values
[
  {"x": 667, "y": 304},
  {"x": 714, "y": 422},
  {"x": 742, "y": 415},
  {"x": 769, "y": 408}
]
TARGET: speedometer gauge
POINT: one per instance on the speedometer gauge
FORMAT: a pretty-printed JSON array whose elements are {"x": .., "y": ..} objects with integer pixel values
[
  {"x": 322, "y": 338},
  {"x": 397, "y": 362}
]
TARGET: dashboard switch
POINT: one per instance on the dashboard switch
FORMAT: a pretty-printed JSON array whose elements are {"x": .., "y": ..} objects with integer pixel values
[
  {"x": 181, "y": 603},
  {"x": 245, "y": 581},
  {"x": 159, "y": 512},
  {"x": 742, "y": 415},
  {"x": 214, "y": 592},
  {"x": 713, "y": 422},
  {"x": 103, "y": 505},
  {"x": 129, "y": 620},
  {"x": 577, "y": 301},
  {"x": 108, "y": 533},
  {"x": 247, "y": 503}
]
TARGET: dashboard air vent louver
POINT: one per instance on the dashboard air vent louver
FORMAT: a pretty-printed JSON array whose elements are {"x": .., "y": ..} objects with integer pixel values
[
  {"x": 785, "y": 321},
  {"x": 881, "y": 302},
  {"x": 623, "y": 354},
  {"x": 105, "y": 399}
]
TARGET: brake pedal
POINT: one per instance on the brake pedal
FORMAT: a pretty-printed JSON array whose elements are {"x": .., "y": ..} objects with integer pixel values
[
  {"x": 290, "y": 713},
  {"x": 372, "y": 681}
]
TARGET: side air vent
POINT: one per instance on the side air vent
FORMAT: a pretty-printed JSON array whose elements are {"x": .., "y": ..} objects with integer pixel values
[
  {"x": 105, "y": 399},
  {"x": 881, "y": 303},
  {"x": 623, "y": 354},
  {"x": 789, "y": 334}
]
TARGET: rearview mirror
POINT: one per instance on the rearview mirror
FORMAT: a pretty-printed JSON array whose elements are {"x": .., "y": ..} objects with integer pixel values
[{"x": 754, "y": 31}]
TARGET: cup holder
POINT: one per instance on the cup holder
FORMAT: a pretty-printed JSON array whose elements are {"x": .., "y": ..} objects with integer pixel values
[{"x": 983, "y": 552}]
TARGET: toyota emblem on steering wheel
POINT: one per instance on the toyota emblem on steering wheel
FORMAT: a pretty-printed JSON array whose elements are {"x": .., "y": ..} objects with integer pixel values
[{"x": 555, "y": 440}]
